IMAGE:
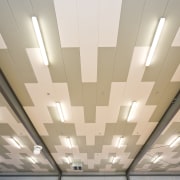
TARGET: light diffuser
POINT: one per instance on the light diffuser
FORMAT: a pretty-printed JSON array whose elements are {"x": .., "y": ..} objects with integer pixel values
[
  {"x": 155, "y": 41},
  {"x": 16, "y": 142},
  {"x": 131, "y": 111},
  {"x": 60, "y": 112},
  {"x": 174, "y": 141},
  {"x": 40, "y": 40}
]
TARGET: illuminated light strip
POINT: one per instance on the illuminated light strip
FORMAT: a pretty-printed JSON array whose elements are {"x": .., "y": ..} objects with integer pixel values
[
  {"x": 156, "y": 159},
  {"x": 32, "y": 160},
  {"x": 155, "y": 41},
  {"x": 16, "y": 143},
  {"x": 119, "y": 142},
  {"x": 69, "y": 160},
  {"x": 131, "y": 111},
  {"x": 174, "y": 141},
  {"x": 68, "y": 142},
  {"x": 114, "y": 159},
  {"x": 40, "y": 40},
  {"x": 60, "y": 112}
]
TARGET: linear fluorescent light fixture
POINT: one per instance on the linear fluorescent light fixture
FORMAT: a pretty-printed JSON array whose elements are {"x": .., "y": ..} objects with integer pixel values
[
  {"x": 16, "y": 143},
  {"x": 131, "y": 111},
  {"x": 40, "y": 40},
  {"x": 68, "y": 160},
  {"x": 174, "y": 142},
  {"x": 60, "y": 112},
  {"x": 155, "y": 41},
  {"x": 68, "y": 142},
  {"x": 120, "y": 142},
  {"x": 114, "y": 159},
  {"x": 156, "y": 159},
  {"x": 32, "y": 160}
]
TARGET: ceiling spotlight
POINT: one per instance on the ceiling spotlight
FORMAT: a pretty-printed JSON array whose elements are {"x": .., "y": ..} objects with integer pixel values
[
  {"x": 32, "y": 160},
  {"x": 120, "y": 142},
  {"x": 37, "y": 149},
  {"x": 60, "y": 112},
  {"x": 155, "y": 41},
  {"x": 174, "y": 142},
  {"x": 131, "y": 111},
  {"x": 68, "y": 142},
  {"x": 16, "y": 142},
  {"x": 40, "y": 40}
]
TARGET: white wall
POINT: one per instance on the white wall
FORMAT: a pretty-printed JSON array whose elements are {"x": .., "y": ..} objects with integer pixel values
[
  {"x": 94, "y": 178},
  {"x": 28, "y": 178},
  {"x": 155, "y": 178}
]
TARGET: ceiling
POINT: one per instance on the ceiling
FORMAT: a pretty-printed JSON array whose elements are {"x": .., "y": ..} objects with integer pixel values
[{"x": 97, "y": 52}]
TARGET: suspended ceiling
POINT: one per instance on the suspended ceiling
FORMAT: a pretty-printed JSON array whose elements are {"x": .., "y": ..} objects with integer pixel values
[{"x": 97, "y": 52}]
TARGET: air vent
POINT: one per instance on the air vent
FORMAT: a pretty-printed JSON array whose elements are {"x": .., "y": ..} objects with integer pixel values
[{"x": 77, "y": 166}]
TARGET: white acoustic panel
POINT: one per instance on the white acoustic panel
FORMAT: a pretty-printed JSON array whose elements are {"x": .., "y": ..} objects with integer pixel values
[
  {"x": 88, "y": 34},
  {"x": 66, "y": 14},
  {"x": 88, "y": 25},
  {"x": 109, "y": 22},
  {"x": 2, "y": 43}
]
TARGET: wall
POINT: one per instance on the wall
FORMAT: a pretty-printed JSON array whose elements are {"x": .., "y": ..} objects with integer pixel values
[
  {"x": 28, "y": 178},
  {"x": 94, "y": 178},
  {"x": 155, "y": 178}
]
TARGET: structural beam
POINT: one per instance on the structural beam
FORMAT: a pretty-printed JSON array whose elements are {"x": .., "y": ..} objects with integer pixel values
[
  {"x": 164, "y": 121},
  {"x": 16, "y": 106}
]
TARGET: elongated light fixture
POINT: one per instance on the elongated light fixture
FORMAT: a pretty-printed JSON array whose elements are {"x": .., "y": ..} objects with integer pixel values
[
  {"x": 119, "y": 142},
  {"x": 68, "y": 160},
  {"x": 40, "y": 40},
  {"x": 114, "y": 159},
  {"x": 68, "y": 142},
  {"x": 174, "y": 142},
  {"x": 155, "y": 41},
  {"x": 32, "y": 160},
  {"x": 131, "y": 111},
  {"x": 156, "y": 159},
  {"x": 16, "y": 143},
  {"x": 60, "y": 112}
]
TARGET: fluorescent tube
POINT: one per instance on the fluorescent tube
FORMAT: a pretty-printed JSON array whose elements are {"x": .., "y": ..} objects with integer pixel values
[
  {"x": 40, "y": 40},
  {"x": 132, "y": 110},
  {"x": 157, "y": 159},
  {"x": 16, "y": 143},
  {"x": 155, "y": 41},
  {"x": 32, "y": 160},
  {"x": 119, "y": 142},
  {"x": 174, "y": 141},
  {"x": 68, "y": 160},
  {"x": 60, "y": 112},
  {"x": 68, "y": 142}
]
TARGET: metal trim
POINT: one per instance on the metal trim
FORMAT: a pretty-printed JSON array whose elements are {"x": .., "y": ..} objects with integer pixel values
[
  {"x": 164, "y": 121},
  {"x": 16, "y": 106}
]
